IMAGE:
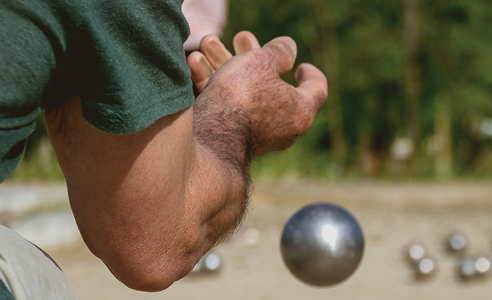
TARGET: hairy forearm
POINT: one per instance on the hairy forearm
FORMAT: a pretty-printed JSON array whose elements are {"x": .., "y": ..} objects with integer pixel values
[
  {"x": 225, "y": 132},
  {"x": 223, "y": 136},
  {"x": 217, "y": 186},
  {"x": 151, "y": 204}
]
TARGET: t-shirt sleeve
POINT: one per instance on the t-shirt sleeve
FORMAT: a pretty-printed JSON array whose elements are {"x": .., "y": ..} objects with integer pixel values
[
  {"x": 26, "y": 61},
  {"x": 123, "y": 58}
]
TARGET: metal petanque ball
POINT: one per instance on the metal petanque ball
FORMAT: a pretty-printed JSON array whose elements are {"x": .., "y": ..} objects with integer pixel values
[
  {"x": 426, "y": 267},
  {"x": 483, "y": 264},
  {"x": 456, "y": 242},
  {"x": 322, "y": 244},
  {"x": 466, "y": 268},
  {"x": 212, "y": 262},
  {"x": 415, "y": 252},
  {"x": 478, "y": 265},
  {"x": 209, "y": 263}
]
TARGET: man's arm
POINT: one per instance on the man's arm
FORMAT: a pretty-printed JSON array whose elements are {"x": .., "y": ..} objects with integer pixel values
[{"x": 150, "y": 204}]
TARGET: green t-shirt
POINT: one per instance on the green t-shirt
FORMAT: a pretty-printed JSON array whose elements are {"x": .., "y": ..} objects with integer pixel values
[
  {"x": 123, "y": 58},
  {"x": 5, "y": 294}
]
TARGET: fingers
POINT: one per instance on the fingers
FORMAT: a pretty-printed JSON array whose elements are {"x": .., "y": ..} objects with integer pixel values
[
  {"x": 201, "y": 70},
  {"x": 214, "y": 50},
  {"x": 283, "y": 51},
  {"x": 202, "y": 66},
  {"x": 312, "y": 84},
  {"x": 245, "y": 41}
]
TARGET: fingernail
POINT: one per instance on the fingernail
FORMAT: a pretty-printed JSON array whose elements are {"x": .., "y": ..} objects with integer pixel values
[{"x": 288, "y": 41}]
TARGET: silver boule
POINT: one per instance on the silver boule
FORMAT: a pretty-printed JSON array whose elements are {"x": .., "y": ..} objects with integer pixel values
[
  {"x": 483, "y": 264},
  {"x": 212, "y": 262},
  {"x": 251, "y": 236},
  {"x": 322, "y": 244},
  {"x": 466, "y": 268},
  {"x": 456, "y": 242},
  {"x": 415, "y": 252},
  {"x": 426, "y": 266}
]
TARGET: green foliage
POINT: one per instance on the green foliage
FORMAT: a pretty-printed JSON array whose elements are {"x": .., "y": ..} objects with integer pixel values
[
  {"x": 38, "y": 165},
  {"x": 30, "y": 170},
  {"x": 39, "y": 161},
  {"x": 455, "y": 39}
]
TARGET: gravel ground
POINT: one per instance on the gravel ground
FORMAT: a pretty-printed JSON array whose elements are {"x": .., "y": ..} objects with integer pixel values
[{"x": 392, "y": 216}]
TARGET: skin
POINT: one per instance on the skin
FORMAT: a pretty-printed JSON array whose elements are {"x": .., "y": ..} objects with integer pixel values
[{"x": 150, "y": 204}]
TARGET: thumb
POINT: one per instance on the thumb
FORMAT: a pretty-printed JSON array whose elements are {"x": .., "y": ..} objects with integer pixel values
[{"x": 283, "y": 51}]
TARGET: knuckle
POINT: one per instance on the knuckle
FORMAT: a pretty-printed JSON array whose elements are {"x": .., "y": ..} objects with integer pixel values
[
  {"x": 282, "y": 53},
  {"x": 280, "y": 47},
  {"x": 304, "y": 122}
]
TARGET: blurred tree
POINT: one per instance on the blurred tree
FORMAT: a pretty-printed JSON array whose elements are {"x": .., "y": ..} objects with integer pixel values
[
  {"x": 457, "y": 84},
  {"x": 414, "y": 68},
  {"x": 411, "y": 38},
  {"x": 322, "y": 41}
]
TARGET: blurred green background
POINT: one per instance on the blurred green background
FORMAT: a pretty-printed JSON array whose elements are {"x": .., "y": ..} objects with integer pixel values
[{"x": 410, "y": 89}]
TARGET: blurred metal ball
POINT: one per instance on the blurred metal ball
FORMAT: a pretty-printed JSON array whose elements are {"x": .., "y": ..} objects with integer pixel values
[
  {"x": 251, "y": 236},
  {"x": 415, "y": 252},
  {"x": 456, "y": 242},
  {"x": 322, "y": 244},
  {"x": 466, "y": 268},
  {"x": 210, "y": 262},
  {"x": 426, "y": 266},
  {"x": 483, "y": 264},
  {"x": 475, "y": 266}
]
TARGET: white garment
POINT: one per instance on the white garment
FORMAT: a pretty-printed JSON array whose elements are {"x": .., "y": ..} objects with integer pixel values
[
  {"x": 28, "y": 273},
  {"x": 204, "y": 17}
]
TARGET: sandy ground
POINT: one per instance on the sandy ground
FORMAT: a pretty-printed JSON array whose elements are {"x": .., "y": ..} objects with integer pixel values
[{"x": 391, "y": 215}]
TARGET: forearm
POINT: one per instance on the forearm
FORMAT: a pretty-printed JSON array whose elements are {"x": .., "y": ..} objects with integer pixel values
[
  {"x": 224, "y": 141},
  {"x": 217, "y": 199},
  {"x": 151, "y": 204}
]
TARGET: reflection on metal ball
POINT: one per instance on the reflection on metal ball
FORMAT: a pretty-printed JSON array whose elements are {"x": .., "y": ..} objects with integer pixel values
[{"x": 322, "y": 244}]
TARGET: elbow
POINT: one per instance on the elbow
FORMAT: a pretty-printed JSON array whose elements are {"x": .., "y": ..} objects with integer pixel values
[
  {"x": 148, "y": 265},
  {"x": 149, "y": 273},
  {"x": 153, "y": 277}
]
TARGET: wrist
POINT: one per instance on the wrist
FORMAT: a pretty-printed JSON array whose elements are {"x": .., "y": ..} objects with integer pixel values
[{"x": 224, "y": 132}]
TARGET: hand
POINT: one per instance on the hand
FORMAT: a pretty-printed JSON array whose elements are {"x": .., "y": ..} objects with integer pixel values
[
  {"x": 203, "y": 65},
  {"x": 250, "y": 82}
]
